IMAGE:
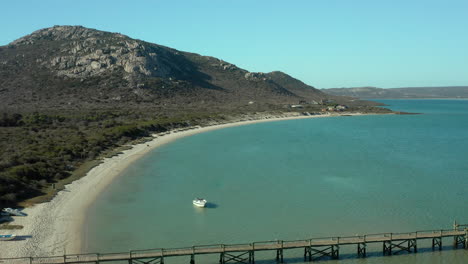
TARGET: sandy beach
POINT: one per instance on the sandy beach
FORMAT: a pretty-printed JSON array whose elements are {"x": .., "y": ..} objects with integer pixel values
[{"x": 54, "y": 228}]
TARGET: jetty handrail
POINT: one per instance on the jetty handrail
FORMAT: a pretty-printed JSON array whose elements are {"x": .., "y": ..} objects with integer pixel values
[
  {"x": 295, "y": 241},
  {"x": 135, "y": 253},
  {"x": 390, "y": 235},
  {"x": 265, "y": 242},
  {"x": 207, "y": 246},
  {"x": 406, "y": 234},
  {"x": 142, "y": 250},
  {"x": 236, "y": 245},
  {"x": 321, "y": 238},
  {"x": 433, "y": 231},
  {"x": 176, "y": 248},
  {"x": 352, "y": 237},
  {"x": 82, "y": 256}
]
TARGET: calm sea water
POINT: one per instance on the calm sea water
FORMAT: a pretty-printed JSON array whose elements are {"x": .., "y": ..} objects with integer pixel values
[{"x": 297, "y": 179}]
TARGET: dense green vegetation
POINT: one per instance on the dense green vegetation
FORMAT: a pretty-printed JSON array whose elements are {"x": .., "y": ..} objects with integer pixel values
[{"x": 39, "y": 149}]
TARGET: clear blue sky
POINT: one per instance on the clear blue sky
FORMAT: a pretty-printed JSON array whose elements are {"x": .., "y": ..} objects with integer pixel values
[{"x": 325, "y": 43}]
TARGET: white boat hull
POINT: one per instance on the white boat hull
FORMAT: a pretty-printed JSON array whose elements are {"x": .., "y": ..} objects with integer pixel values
[
  {"x": 7, "y": 237},
  {"x": 14, "y": 212},
  {"x": 199, "y": 203}
]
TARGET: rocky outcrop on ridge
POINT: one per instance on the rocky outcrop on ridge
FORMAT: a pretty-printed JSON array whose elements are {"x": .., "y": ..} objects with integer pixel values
[
  {"x": 86, "y": 52},
  {"x": 74, "y": 66}
]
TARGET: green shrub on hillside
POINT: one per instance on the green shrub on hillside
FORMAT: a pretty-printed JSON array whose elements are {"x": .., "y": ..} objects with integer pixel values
[{"x": 39, "y": 149}]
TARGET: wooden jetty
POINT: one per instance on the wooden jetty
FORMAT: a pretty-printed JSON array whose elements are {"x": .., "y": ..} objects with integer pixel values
[{"x": 315, "y": 248}]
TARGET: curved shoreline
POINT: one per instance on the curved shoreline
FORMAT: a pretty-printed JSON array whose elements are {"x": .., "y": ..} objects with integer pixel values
[{"x": 55, "y": 228}]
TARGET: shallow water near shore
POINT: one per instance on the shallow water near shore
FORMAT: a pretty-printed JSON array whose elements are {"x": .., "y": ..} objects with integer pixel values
[{"x": 296, "y": 179}]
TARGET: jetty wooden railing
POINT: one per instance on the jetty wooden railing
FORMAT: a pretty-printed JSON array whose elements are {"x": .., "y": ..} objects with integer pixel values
[{"x": 315, "y": 248}]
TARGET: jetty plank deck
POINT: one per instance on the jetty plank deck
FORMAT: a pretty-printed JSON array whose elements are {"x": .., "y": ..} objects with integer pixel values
[{"x": 315, "y": 247}]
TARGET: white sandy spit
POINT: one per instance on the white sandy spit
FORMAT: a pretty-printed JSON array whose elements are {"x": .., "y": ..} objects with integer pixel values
[{"x": 54, "y": 228}]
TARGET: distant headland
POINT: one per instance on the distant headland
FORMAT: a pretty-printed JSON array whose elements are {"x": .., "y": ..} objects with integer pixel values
[{"x": 451, "y": 92}]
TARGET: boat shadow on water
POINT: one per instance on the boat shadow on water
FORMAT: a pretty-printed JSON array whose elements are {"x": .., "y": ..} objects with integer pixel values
[
  {"x": 6, "y": 219},
  {"x": 210, "y": 205},
  {"x": 20, "y": 238}
]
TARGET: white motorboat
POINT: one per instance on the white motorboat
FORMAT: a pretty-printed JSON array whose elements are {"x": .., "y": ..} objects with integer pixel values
[
  {"x": 199, "y": 202},
  {"x": 7, "y": 237},
  {"x": 14, "y": 212}
]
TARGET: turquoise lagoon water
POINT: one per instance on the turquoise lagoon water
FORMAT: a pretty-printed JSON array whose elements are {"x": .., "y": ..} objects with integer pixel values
[{"x": 296, "y": 179}]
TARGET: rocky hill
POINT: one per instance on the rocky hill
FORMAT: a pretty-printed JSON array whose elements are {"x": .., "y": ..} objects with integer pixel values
[
  {"x": 401, "y": 93},
  {"x": 77, "y": 67}
]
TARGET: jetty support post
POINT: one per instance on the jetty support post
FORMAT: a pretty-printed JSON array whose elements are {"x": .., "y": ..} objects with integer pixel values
[
  {"x": 361, "y": 250},
  {"x": 308, "y": 251},
  {"x": 388, "y": 246},
  {"x": 221, "y": 255},
  {"x": 245, "y": 257},
  {"x": 466, "y": 238},
  {"x": 192, "y": 256},
  {"x": 307, "y": 254},
  {"x": 437, "y": 241},
  {"x": 335, "y": 251},
  {"x": 459, "y": 241},
  {"x": 279, "y": 252},
  {"x": 221, "y": 258},
  {"x": 158, "y": 260},
  {"x": 412, "y": 243},
  {"x": 251, "y": 257},
  {"x": 252, "y": 254},
  {"x": 312, "y": 253}
]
